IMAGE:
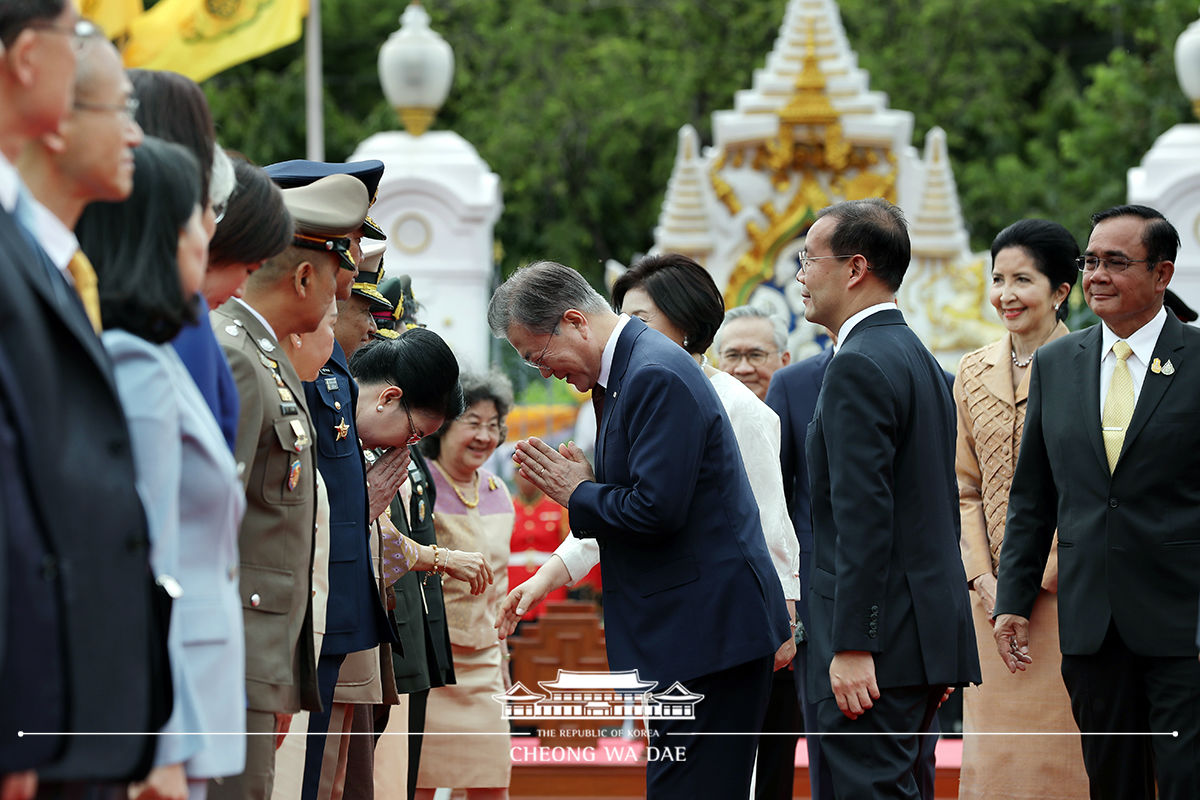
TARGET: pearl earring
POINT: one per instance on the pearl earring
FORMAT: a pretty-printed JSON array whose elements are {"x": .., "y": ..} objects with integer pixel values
[
  {"x": 379, "y": 409},
  {"x": 1056, "y": 305},
  {"x": 685, "y": 341}
]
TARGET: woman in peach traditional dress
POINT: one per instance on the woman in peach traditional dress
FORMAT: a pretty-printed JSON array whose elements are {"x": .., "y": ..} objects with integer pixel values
[{"x": 1033, "y": 270}]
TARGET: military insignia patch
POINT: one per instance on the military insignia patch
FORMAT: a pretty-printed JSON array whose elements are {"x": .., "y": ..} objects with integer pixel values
[{"x": 293, "y": 479}]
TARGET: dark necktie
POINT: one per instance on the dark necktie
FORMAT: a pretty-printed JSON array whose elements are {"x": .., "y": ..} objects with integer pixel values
[{"x": 598, "y": 403}]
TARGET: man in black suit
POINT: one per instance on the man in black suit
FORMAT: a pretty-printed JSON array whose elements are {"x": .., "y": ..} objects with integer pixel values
[
  {"x": 891, "y": 627},
  {"x": 81, "y": 473},
  {"x": 1111, "y": 458}
]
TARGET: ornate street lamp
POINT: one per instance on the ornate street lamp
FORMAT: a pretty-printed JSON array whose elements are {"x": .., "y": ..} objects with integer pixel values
[
  {"x": 416, "y": 68},
  {"x": 1187, "y": 64}
]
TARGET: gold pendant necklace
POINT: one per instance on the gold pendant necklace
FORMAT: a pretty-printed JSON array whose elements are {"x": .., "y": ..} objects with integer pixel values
[{"x": 454, "y": 486}]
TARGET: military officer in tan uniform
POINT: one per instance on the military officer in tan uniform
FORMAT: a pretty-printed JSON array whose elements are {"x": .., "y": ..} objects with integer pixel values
[{"x": 289, "y": 294}]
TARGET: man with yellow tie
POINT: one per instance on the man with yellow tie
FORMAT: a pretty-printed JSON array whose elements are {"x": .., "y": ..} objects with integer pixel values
[
  {"x": 1110, "y": 457},
  {"x": 89, "y": 159}
]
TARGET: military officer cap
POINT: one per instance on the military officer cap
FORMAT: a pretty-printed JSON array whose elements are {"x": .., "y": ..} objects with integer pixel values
[
  {"x": 298, "y": 172},
  {"x": 326, "y": 212},
  {"x": 398, "y": 291},
  {"x": 369, "y": 272}
]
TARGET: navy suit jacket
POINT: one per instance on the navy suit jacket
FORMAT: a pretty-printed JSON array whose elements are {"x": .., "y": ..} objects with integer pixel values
[
  {"x": 82, "y": 481},
  {"x": 793, "y": 396},
  {"x": 355, "y": 619},
  {"x": 689, "y": 588},
  {"x": 887, "y": 577},
  {"x": 202, "y": 355}
]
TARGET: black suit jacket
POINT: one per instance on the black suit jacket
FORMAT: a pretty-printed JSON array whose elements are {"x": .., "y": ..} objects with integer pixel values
[
  {"x": 82, "y": 479},
  {"x": 887, "y": 576},
  {"x": 793, "y": 396},
  {"x": 423, "y": 660},
  {"x": 1129, "y": 542},
  {"x": 33, "y": 685}
]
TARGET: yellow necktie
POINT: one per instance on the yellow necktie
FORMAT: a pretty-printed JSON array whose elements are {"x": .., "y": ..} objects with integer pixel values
[
  {"x": 1118, "y": 406},
  {"x": 84, "y": 275}
]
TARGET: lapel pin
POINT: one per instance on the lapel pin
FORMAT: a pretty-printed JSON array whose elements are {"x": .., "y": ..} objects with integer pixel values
[
  {"x": 1168, "y": 368},
  {"x": 1156, "y": 366}
]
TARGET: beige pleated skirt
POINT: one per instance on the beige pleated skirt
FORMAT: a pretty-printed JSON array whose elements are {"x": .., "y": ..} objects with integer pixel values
[
  {"x": 1023, "y": 764},
  {"x": 451, "y": 756}
]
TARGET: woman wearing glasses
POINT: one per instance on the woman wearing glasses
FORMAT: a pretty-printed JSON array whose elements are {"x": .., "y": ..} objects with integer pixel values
[
  {"x": 1033, "y": 270},
  {"x": 473, "y": 512}
]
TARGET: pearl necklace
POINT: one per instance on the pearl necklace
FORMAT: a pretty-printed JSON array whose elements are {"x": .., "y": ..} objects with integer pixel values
[
  {"x": 1021, "y": 364},
  {"x": 454, "y": 486}
]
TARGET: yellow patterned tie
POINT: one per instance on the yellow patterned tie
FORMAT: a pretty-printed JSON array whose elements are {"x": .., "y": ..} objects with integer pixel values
[
  {"x": 1118, "y": 406},
  {"x": 84, "y": 275}
]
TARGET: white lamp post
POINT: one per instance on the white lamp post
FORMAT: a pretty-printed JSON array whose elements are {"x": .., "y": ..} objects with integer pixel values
[
  {"x": 416, "y": 68},
  {"x": 1187, "y": 63}
]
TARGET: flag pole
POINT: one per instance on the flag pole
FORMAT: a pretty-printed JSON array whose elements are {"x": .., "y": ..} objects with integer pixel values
[{"x": 313, "y": 101}]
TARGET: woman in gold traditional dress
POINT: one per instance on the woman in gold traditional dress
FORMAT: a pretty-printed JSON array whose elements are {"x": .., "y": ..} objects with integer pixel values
[
  {"x": 474, "y": 512},
  {"x": 1033, "y": 270}
]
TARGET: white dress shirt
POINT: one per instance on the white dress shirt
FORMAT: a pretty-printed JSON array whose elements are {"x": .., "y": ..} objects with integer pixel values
[
  {"x": 849, "y": 324},
  {"x": 1141, "y": 342},
  {"x": 610, "y": 350}
]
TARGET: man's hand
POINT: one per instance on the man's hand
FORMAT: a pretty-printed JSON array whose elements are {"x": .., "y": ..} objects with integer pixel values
[
  {"x": 18, "y": 785},
  {"x": 852, "y": 676},
  {"x": 283, "y": 723},
  {"x": 985, "y": 587},
  {"x": 555, "y": 472},
  {"x": 384, "y": 479},
  {"x": 785, "y": 653},
  {"x": 168, "y": 782},
  {"x": 470, "y": 568},
  {"x": 1012, "y": 641}
]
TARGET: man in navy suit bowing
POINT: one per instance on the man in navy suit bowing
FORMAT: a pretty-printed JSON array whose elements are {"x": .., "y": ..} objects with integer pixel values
[
  {"x": 890, "y": 623},
  {"x": 689, "y": 591}
]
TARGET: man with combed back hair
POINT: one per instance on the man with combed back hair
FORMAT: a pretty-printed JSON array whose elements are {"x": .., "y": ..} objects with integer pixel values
[{"x": 690, "y": 594}]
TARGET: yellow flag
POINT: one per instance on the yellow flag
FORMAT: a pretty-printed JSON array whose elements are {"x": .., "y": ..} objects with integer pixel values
[
  {"x": 113, "y": 16},
  {"x": 199, "y": 38}
]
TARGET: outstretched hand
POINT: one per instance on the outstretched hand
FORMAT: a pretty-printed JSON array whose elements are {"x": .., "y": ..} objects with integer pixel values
[
  {"x": 471, "y": 568},
  {"x": 555, "y": 472}
]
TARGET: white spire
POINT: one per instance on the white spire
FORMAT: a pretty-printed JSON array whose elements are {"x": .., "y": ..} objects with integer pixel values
[
  {"x": 937, "y": 229},
  {"x": 683, "y": 226}
]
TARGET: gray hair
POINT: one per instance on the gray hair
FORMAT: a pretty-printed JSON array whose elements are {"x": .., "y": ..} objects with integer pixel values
[
  {"x": 751, "y": 312},
  {"x": 537, "y": 295},
  {"x": 476, "y": 387}
]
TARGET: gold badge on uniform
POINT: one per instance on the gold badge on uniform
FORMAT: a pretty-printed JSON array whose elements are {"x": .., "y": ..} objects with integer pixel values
[
  {"x": 293, "y": 475},
  {"x": 285, "y": 394},
  {"x": 1156, "y": 366},
  {"x": 267, "y": 362},
  {"x": 302, "y": 440},
  {"x": 341, "y": 429}
]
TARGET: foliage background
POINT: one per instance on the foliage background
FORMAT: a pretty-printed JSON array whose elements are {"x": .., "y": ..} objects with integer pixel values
[{"x": 576, "y": 103}]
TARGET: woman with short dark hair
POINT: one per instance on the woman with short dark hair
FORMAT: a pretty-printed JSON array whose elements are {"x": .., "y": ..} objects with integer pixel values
[
  {"x": 150, "y": 253},
  {"x": 255, "y": 226},
  {"x": 1033, "y": 270}
]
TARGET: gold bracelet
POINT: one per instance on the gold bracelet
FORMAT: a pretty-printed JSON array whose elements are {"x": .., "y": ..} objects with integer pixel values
[{"x": 434, "y": 569}]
